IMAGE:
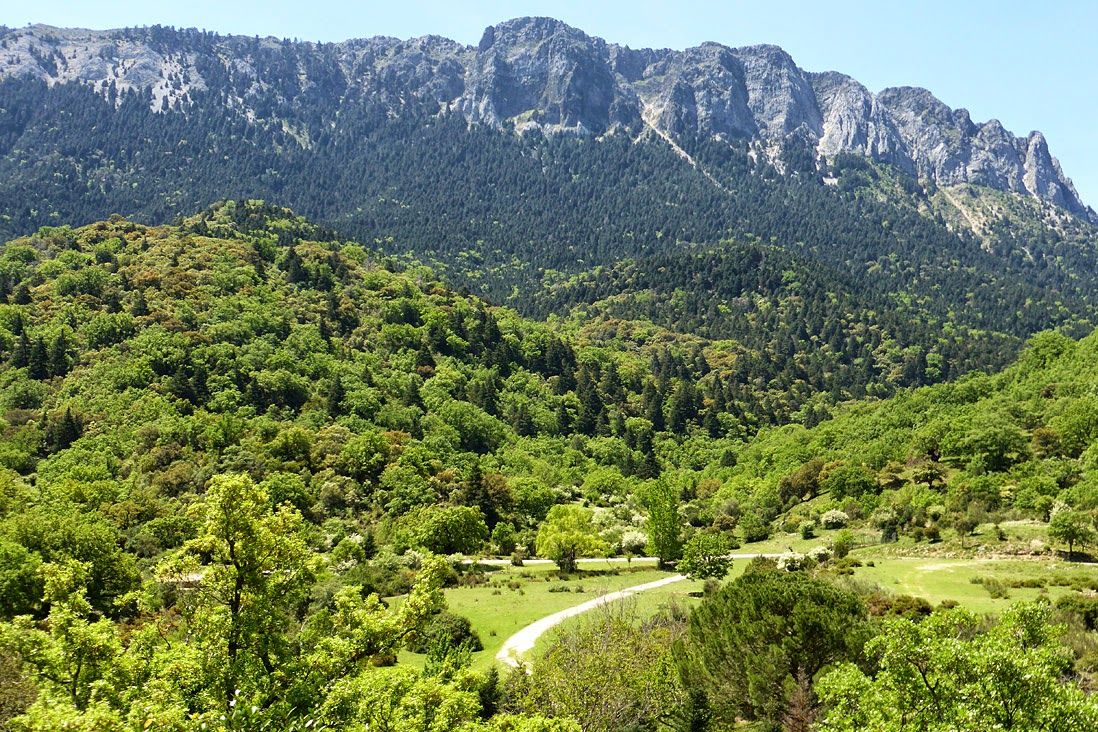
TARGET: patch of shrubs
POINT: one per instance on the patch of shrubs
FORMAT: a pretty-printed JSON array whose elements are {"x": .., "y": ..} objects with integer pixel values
[
  {"x": 881, "y": 604},
  {"x": 995, "y": 587}
]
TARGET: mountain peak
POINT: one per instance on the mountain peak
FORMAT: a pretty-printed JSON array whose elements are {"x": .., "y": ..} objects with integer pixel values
[{"x": 539, "y": 73}]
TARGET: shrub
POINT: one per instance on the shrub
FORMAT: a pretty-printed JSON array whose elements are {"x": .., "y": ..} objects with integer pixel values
[
  {"x": 705, "y": 556},
  {"x": 754, "y": 528},
  {"x": 445, "y": 629},
  {"x": 842, "y": 543},
  {"x": 834, "y": 519},
  {"x": 807, "y": 529},
  {"x": 793, "y": 562},
  {"x": 819, "y": 554}
]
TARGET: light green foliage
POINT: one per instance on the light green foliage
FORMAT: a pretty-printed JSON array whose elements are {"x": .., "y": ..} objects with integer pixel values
[
  {"x": 1074, "y": 528},
  {"x": 609, "y": 673},
  {"x": 20, "y": 580},
  {"x": 567, "y": 534},
  {"x": 75, "y": 656},
  {"x": 661, "y": 499},
  {"x": 250, "y": 568},
  {"x": 945, "y": 673},
  {"x": 443, "y": 529},
  {"x": 842, "y": 543},
  {"x": 705, "y": 556},
  {"x": 849, "y": 479}
]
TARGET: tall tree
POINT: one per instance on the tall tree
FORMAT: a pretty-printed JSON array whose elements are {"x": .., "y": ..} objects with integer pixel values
[{"x": 663, "y": 523}]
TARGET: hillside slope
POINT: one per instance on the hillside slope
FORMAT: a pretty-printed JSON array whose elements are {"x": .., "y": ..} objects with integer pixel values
[{"x": 488, "y": 163}]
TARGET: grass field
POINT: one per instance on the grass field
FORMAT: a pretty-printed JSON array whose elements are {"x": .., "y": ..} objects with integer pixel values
[
  {"x": 510, "y": 598},
  {"x": 514, "y": 597}
]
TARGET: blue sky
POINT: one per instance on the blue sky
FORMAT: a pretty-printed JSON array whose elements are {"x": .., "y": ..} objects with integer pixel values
[{"x": 1030, "y": 65}]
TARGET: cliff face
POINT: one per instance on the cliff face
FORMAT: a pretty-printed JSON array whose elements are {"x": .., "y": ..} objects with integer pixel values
[{"x": 541, "y": 74}]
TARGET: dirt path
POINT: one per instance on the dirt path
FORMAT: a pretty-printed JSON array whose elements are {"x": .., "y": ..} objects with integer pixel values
[{"x": 523, "y": 641}]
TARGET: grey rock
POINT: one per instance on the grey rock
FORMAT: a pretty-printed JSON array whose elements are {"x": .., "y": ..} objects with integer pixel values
[{"x": 542, "y": 74}]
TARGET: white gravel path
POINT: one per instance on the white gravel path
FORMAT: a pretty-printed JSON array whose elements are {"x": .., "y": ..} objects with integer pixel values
[{"x": 523, "y": 641}]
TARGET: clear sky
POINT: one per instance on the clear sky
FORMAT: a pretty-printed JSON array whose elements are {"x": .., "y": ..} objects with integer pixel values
[{"x": 1032, "y": 65}]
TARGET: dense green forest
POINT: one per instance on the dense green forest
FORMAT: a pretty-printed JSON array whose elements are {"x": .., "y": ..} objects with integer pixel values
[
  {"x": 225, "y": 440},
  {"x": 499, "y": 211},
  {"x": 824, "y": 292}
]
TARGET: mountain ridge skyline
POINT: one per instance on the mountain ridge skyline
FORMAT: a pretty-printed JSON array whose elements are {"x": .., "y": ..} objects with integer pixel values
[{"x": 710, "y": 92}]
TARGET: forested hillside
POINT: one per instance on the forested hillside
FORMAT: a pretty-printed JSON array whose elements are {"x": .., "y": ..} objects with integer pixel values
[
  {"x": 828, "y": 293},
  {"x": 599, "y": 180},
  {"x": 239, "y": 431}
]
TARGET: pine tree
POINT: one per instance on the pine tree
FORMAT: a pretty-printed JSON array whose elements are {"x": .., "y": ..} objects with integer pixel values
[
  {"x": 336, "y": 394},
  {"x": 20, "y": 356},
  {"x": 38, "y": 360},
  {"x": 65, "y": 431},
  {"x": 653, "y": 405},
  {"x": 59, "y": 355}
]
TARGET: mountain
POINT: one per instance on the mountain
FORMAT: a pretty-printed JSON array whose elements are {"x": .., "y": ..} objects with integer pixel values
[
  {"x": 834, "y": 242},
  {"x": 539, "y": 73}
]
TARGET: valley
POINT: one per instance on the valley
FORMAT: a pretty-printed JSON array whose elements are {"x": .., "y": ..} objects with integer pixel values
[{"x": 538, "y": 385}]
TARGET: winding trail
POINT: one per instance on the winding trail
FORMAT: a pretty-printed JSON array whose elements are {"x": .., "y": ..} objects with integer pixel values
[{"x": 523, "y": 641}]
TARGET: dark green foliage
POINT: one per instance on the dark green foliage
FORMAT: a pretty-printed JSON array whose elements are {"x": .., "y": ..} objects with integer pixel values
[
  {"x": 445, "y": 629},
  {"x": 749, "y": 644}
]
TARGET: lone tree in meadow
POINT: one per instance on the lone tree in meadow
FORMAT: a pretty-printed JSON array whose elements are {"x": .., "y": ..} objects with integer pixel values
[
  {"x": 663, "y": 524},
  {"x": 567, "y": 534},
  {"x": 706, "y": 556},
  {"x": 1071, "y": 528}
]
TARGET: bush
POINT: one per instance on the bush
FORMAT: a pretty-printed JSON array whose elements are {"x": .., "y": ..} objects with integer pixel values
[
  {"x": 842, "y": 543},
  {"x": 807, "y": 529},
  {"x": 834, "y": 519},
  {"x": 754, "y": 528},
  {"x": 705, "y": 556},
  {"x": 882, "y": 604},
  {"x": 446, "y": 629},
  {"x": 793, "y": 562},
  {"x": 819, "y": 554}
]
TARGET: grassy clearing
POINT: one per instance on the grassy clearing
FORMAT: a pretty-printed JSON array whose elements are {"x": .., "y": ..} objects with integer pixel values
[
  {"x": 974, "y": 583},
  {"x": 513, "y": 597},
  {"x": 1018, "y": 538},
  {"x": 509, "y": 598}
]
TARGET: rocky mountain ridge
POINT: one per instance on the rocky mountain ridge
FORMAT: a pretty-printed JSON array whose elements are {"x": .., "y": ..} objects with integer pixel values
[{"x": 541, "y": 75}]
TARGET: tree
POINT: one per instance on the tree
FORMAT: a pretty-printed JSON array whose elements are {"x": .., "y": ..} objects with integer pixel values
[
  {"x": 965, "y": 523},
  {"x": 504, "y": 537},
  {"x": 609, "y": 673},
  {"x": 842, "y": 543},
  {"x": 76, "y": 651},
  {"x": 20, "y": 580},
  {"x": 748, "y": 645},
  {"x": 251, "y": 568},
  {"x": 1071, "y": 528},
  {"x": 663, "y": 523},
  {"x": 443, "y": 529},
  {"x": 568, "y": 533},
  {"x": 705, "y": 556},
  {"x": 946, "y": 674},
  {"x": 849, "y": 479},
  {"x": 753, "y": 527}
]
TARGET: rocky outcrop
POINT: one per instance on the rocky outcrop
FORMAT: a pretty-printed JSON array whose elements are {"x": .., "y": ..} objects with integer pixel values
[{"x": 541, "y": 74}]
